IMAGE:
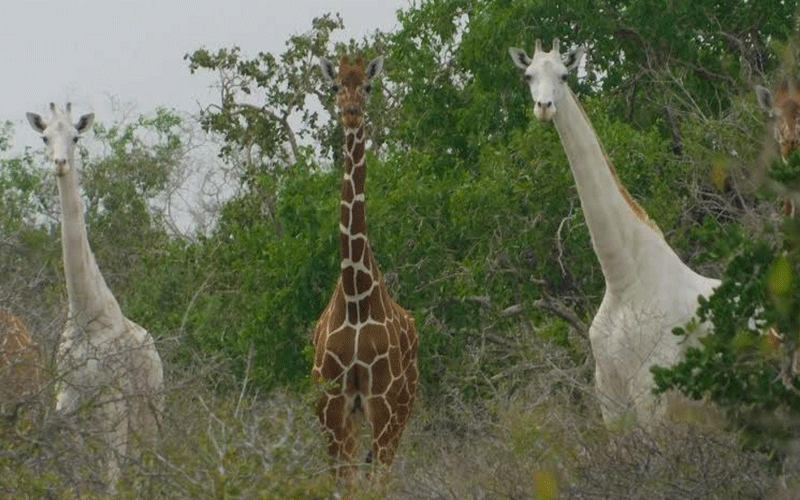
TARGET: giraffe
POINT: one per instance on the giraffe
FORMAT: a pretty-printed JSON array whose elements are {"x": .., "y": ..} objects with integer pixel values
[
  {"x": 108, "y": 367},
  {"x": 20, "y": 364},
  {"x": 784, "y": 109},
  {"x": 649, "y": 290},
  {"x": 365, "y": 344}
]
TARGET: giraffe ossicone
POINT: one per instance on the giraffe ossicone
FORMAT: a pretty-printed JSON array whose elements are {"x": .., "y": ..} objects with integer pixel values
[
  {"x": 649, "y": 290},
  {"x": 365, "y": 344},
  {"x": 108, "y": 368}
]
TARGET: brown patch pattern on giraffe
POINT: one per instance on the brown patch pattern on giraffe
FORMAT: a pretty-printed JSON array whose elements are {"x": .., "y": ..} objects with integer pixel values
[
  {"x": 365, "y": 343},
  {"x": 787, "y": 110},
  {"x": 20, "y": 363},
  {"x": 784, "y": 108}
]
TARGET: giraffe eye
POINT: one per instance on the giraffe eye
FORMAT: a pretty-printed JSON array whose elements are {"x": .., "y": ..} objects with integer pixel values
[
  {"x": 75, "y": 139},
  {"x": 564, "y": 77},
  {"x": 528, "y": 78},
  {"x": 45, "y": 139}
]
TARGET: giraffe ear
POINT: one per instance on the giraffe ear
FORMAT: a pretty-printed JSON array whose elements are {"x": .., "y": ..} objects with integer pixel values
[
  {"x": 328, "y": 71},
  {"x": 374, "y": 67},
  {"x": 764, "y": 98},
  {"x": 84, "y": 122},
  {"x": 36, "y": 122},
  {"x": 573, "y": 58},
  {"x": 519, "y": 57}
]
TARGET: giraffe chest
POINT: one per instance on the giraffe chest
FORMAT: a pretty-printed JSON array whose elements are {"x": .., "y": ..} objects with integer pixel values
[
  {"x": 106, "y": 363},
  {"x": 634, "y": 331}
]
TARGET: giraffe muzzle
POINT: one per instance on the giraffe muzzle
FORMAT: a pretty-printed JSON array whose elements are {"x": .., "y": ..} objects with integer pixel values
[
  {"x": 544, "y": 110},
  {"x": 61, "y": 166}
]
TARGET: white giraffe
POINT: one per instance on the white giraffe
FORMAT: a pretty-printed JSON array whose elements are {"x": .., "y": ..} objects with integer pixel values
[
  {"x": 649, "y": 290},
  {"x": 108, "y": 366}
]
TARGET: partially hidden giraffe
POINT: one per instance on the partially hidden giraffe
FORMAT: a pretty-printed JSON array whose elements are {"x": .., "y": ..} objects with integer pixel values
[
  {"x": 649, "y": 290},
  {"x": 784, "y": 109},
  {"x": 109, "y": 371},
  {"x": 365, "y": 344},
  {"x": 20, "y": 364}
]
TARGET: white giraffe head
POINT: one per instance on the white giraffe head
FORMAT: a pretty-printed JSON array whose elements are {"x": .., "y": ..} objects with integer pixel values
[
  {"x": 60, "y": 134},
  {"x": 546, "y": 75}
]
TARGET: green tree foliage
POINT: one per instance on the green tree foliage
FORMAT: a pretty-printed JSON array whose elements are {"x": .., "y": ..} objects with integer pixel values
[
  {"x": 260, "y": 292},
  {"x": 472, "y": 209},
  {"x": 25, "y": 256},
  {"x": 137, "y": 163},
  {"x": 262, "y": 99},
  {"x": 18, "y": 184}
]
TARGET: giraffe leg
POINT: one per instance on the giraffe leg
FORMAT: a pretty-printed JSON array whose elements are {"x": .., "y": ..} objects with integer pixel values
[
  {"x": 386, "y": 430},
  {"x": 336, "y": 416},
  {"x": 388, "y": 413},
  {"x": 114, "y": 425}
]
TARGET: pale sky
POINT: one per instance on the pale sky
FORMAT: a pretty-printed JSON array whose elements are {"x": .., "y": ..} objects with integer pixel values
[{"x": 88, "y": 51}]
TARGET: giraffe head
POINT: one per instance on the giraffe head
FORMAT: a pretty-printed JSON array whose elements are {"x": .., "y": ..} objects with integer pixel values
[
  {"x": 546, "y": 75},
  {"x": 60, "y": 134},
  {"x": 352, "y": 85},
  {"x": 784, "y": 109}
]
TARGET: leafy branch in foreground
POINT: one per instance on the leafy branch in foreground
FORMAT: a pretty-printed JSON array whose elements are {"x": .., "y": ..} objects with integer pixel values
[{"x": 747, "y": 364}]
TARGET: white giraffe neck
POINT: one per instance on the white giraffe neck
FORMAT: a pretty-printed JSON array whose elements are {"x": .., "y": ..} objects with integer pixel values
[
  {"x": 622, "y": 239},
  {"x": 89, "y": 296}
]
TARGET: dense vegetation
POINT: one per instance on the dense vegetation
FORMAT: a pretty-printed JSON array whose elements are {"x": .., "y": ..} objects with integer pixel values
[{"x": 476, "y": 222}]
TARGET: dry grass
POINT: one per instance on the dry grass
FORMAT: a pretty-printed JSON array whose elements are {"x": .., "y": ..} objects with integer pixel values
[{"x": 537, "y": 437}]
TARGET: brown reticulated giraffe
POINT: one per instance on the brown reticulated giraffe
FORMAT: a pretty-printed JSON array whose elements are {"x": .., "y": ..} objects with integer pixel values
[
  {"x": 20, "y": 363},
  {"x": 784, "y": 109},
  {"x": 365, "y": 344}
]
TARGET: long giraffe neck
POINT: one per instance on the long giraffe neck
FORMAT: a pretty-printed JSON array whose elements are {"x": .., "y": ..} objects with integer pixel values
[
  {"x": 89, "y": 296},
  {"x": 360, "y": 275},
  {"x": 622, "y": 235}
]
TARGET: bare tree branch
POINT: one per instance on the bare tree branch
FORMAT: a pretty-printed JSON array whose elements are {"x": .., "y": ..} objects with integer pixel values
[{"x": 560, "y": 309}]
